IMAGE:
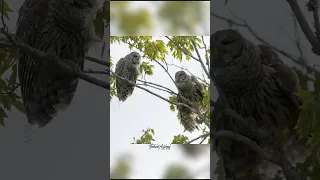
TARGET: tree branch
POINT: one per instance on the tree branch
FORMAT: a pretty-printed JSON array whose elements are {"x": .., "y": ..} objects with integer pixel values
[
  {"x": 205, "y": 135},
  {"x": 200, "y": 59},
  {"x": 98, "y": 61},
  {"x": 186, "y": 69},
  {"x": 207, "y": 55},
  {"x": 90, "y": 71},
  {"x": 284, "y": 53},
  {"x": 305, "y": 26},
  {"x": 40, "y": 56},
  {"x": 146, "y": 83},
  {"x": 167, "y": 100},
  {"x": 239, "y": 138}
]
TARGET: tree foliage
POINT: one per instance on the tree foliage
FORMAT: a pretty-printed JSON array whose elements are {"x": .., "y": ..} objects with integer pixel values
[
  {"x": 156, "y": 51},
  {"x": 175, "y": 16}
]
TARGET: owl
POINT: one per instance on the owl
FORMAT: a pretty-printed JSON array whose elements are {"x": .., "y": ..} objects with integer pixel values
[
  {"x": 128, "y": 68},
  {"x": 192, "y": 90}
]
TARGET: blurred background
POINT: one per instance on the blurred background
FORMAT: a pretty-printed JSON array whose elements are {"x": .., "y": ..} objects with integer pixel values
[
  {"x": 179, "y": 162},
  {"x": 158, "y": 18}
]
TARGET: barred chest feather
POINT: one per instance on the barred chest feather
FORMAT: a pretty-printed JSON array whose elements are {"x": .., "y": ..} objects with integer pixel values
[{"x": 271, "y": 108}]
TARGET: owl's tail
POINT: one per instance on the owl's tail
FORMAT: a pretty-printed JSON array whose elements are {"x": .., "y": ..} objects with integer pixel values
[
  {"x": 188, "y": 120},
  {"x": 47, "y": 98}
]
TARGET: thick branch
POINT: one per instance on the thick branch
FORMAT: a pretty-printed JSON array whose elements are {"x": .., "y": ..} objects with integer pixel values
[
  {"x": 90, "y": 71},
  {"x": 305, "y": 26},
  {"x": 41, "y": 56},
  {"x": 253, "y": 145},
  {"x": 200, "y": 59},
  {"x": 313, "y": 5}
]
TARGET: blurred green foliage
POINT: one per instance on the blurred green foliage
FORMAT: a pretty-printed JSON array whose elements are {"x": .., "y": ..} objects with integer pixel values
[
  {"x": 123, "y": 168},
  {"x": 174, "y": 16},
  {"x": 8, "y": 76}
]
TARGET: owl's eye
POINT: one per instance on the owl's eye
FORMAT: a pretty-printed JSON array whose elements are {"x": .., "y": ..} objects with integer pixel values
[{"x": 227, "y": 41}]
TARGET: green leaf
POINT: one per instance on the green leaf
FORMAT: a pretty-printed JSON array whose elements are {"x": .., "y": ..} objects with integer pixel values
[
  {"x": 187, "y": 58},
  {"x": 226, "y": 2},
  {"x": 305, "y": 94},
  {"x": 5, "y": 8},
  {"x": 172, "y": 108}
]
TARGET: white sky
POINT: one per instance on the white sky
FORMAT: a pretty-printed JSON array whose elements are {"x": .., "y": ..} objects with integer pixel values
[{"x": 143, "y": 110}]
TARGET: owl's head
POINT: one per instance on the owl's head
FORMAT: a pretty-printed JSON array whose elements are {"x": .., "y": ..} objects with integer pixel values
[
  {"x": 73, "y": 14},
  {"x": 134, "y": 58},
  {"x": 182, "y": 80},
  {"x": 228, "y": 46}
]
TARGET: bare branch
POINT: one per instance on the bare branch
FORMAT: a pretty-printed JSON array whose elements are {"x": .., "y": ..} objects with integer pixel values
[
  {"x": 312, "y": 38},
  {"x": 313, "y": 5},
  {"x": 146, "y": 83},
  {"x": 186, "y": 69},
  {"x": 98, "y": 61},
  {"x": 200, "y": 59},
  {"x": 206, "y": 51},
  {"x": 286, "y": 54},
  {"x": 205, "y": 135},
  {"x": 90, "y": 71}
]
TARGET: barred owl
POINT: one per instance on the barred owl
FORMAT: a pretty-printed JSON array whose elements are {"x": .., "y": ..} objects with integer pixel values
[
  {"x": 253, "y": 92},
  {"x": 61, "y": 27},
  {"x": 191, "y": 89},
  {"x": 283, "y": 72},
  {"x": 128, "y": 68}
]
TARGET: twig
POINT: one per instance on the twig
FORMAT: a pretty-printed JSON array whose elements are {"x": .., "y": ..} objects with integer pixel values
[
  {"x": 98, "y": 61},
  {"x": 313, "y": 5},
  {"x": 286, "y": 54},
  {"x": 200, "y": 59},
  {"x": 206, "y": 51},
  {"x": 164, "y": 88},
  {"x": 203, "y": 135},
  {"x": 186, "y": 69},
  {"x": 90, "y": 71}
]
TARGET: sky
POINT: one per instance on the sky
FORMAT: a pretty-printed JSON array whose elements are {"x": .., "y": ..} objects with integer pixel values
[
  {"x": 143, "y": 110},
  {"x": 271, "y": 20}
]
